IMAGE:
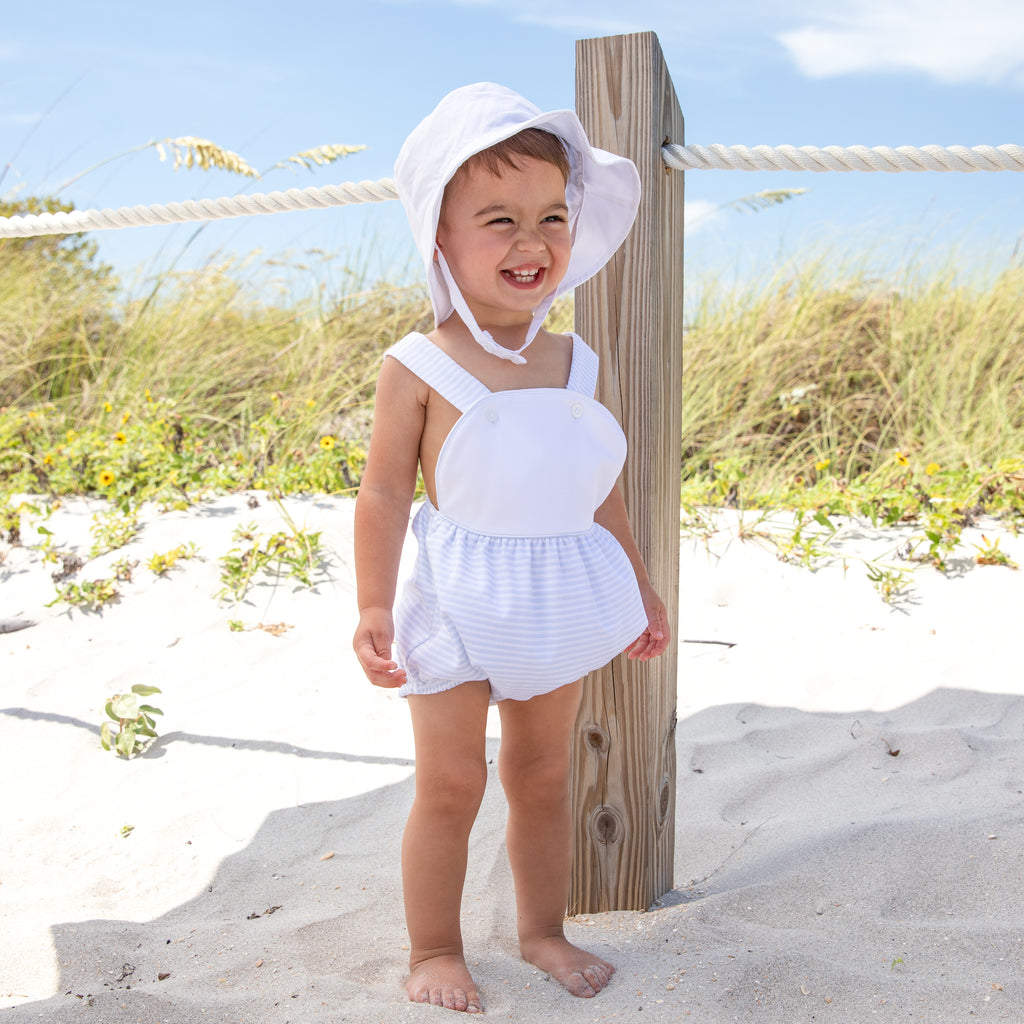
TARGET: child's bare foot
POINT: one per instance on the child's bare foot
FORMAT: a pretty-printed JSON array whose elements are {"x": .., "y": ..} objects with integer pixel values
[
  {"x": 444, "y": 981},
  {"x": 581, "y": 973}
]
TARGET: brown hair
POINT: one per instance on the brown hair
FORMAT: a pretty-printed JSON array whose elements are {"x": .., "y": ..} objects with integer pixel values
[{"x": 532, "y": 143}]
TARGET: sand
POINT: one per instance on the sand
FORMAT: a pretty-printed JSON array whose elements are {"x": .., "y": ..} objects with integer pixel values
[{"x": 849, "y": 823}]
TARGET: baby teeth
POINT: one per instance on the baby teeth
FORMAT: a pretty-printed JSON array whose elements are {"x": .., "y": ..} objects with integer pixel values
[{"x": 523, "y": 275}]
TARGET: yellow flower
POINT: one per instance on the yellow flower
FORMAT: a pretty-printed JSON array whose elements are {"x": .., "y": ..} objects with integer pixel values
[
  {"x": 824, "y": 464},
  {"x": 107, "y": 407},
  {"x": 120, "y": 438},
  {"x": 106, "y": 478},
  {"x": 326, "y": 442},
  {"x": 47, "y": 459},
  {"x": 71, "y": 436},
  {"x": 932, "y": 468},
  {"x": 310, "y": 403},
  {"x": 902, "y": 459},
  {"x": 126, "y": 417},
  {"x": 149, "y": 397}
]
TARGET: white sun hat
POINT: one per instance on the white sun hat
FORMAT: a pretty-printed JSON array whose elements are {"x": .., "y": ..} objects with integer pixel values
[{"x": 602, "y": 193}]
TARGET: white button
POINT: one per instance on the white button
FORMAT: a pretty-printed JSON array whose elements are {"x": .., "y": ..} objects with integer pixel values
[
  {"x": 577, "y": 410},
  {"x": 492, "y": 415}
]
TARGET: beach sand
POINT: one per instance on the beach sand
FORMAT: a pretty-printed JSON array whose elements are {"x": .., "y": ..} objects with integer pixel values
[{"x": 849, "y": 822}]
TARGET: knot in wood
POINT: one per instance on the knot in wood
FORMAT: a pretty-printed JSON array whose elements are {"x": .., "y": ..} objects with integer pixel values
[
  {"x": 597, "y": 739},
  {"x": 664, "y": 800},
  {"x": 606, "y": 825}
]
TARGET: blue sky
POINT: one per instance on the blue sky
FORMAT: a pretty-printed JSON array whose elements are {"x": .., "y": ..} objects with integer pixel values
[{"x": 267, "y": 81}]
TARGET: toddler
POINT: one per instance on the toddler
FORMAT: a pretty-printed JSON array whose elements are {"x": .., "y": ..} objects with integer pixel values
[{"x": 527, "y": 575}]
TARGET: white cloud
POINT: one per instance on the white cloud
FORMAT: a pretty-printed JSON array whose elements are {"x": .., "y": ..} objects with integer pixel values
[
  {"x": 590, "y": 17},
  {"x": 700, "y": 214},
  {"x": 582, "y": 24},
  {"x": 954, "y": 41}
]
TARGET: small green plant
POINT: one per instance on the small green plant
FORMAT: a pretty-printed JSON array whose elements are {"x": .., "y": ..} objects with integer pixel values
[
  {"x": 942, "y": 531},
  {"x": 890, "y": 583},
  {"x": 727, "y": 476},
  {"x": 989, "y": 553},
  {"x": 10, "y": 524},
  {"x": 807, "y": 549},
  {"x": 90, "y": 595},
  {"x": 161, "y": 564},
  {"x": 696, "y": 522},
  {"x": 113, "y": 530},
  {"x": 123, "y": 569},
  {"x": 290, "y": 553},
  {"x": 136, "y": 727},
  {"x": 45, "y": 547}
]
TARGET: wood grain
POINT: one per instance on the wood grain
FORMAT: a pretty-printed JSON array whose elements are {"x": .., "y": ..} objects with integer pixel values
[{"x": 632, "y": 313}]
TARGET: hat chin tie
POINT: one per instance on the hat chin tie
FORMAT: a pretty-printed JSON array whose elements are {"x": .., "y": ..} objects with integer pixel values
[{"x": 484, "y": 338}]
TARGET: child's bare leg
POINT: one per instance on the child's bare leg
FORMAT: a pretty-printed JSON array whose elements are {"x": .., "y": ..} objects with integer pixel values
[
  {"x": 535, "y": 768},
  {"x": 451, "y": 774}
]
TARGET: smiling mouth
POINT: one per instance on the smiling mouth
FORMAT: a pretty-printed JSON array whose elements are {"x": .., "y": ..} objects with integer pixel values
[{"x": 524, "y": 276}]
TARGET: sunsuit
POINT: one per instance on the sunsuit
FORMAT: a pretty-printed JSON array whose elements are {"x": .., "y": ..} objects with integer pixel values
[{"x": 514, "y": 582}]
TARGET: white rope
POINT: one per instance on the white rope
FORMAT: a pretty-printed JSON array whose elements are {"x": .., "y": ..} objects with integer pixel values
[
  {"x": 838, "y": 158},
  {"x": 28, "y": 225},
  {"x": 681, "y": 158}
]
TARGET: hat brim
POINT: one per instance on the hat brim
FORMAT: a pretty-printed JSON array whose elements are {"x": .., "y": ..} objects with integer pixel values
[{"x": 603, "y": 190}]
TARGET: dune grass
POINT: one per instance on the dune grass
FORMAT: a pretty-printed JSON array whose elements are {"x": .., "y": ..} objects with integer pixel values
[
  {"x": 826, "y": 377},
  {"x": 810, "y": 368},
  {"x": 798, "y": 391},
  {"x": 199, "y": 383}
]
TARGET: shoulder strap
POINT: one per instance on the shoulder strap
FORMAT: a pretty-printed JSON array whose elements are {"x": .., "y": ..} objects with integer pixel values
[
  {"x": 439, "y": 370},
  {"x": 583, "y": 374}
]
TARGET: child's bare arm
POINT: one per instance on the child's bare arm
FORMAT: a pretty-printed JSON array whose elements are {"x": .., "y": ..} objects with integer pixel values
[
  {"x": 382, "y": 516},
  {"x": 655, "y": 639}
]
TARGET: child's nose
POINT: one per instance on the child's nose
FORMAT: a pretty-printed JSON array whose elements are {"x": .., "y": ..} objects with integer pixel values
[{"x": 529, "y": 239}]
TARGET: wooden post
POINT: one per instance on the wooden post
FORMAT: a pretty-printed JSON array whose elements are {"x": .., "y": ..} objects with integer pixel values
[{"x": 632, "y": 313}]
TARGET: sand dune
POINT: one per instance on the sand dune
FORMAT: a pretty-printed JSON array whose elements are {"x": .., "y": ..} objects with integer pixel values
[{"x": 245, "y": 868}]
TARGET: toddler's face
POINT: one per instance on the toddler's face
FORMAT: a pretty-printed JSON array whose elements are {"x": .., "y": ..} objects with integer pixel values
[{"x": 506, "y": 238}]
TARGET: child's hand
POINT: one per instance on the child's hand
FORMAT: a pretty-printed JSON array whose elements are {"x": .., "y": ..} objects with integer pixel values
[
  {"x": 655, "y": 639},
  {"x": 372, "y": 644}
]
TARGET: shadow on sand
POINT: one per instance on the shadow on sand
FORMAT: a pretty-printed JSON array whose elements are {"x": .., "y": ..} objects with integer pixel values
[{"x": 830, "y": 867}]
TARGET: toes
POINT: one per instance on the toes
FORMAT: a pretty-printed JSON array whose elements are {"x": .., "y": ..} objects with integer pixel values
[
  {"x": 589, "y": 981},
  {"x": 444, "y": 982},
  {"x": 454, "y": 1000},
  {"x": 450, "y": 999},
  {"x": 578, "y": 985},
  {"x": 468, "y": 1002}
]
